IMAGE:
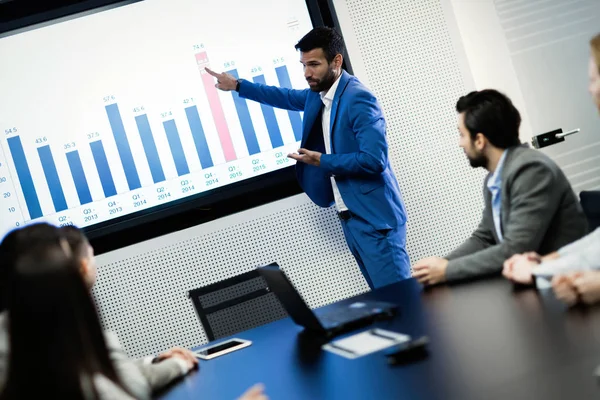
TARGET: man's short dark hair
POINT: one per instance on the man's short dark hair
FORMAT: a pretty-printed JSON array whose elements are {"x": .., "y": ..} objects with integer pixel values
[
  {"x": 493, "y": 114},
  {"x": 324, "y": 38}
]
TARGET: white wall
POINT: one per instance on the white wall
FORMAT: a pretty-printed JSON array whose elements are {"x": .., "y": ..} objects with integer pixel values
[
  {"x": 536, "y": 52},
  {"x": 487, "y": 52}
]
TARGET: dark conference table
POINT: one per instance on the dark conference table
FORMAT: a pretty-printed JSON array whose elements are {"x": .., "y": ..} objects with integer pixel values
[{"x": 488, "y": 340}]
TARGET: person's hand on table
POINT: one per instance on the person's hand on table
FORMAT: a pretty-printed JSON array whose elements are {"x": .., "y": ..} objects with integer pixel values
[
  {"x": 183, "y": 354},
  {"x": 256, "y": 392},
  {"x": 587, "y": 286},
  {"x": 519, "y": 267},
  {"x": 563, "y": 288},
  {"x": 430, "y": 271}
]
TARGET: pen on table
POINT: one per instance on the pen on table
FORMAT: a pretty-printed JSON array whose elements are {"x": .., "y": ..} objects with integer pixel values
[
  {"x": 335, "y": 346},
  {"x": 375, "y": 333}
]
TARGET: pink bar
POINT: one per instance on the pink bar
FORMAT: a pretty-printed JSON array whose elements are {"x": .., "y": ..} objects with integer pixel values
[{"x": 215, "y": 107}]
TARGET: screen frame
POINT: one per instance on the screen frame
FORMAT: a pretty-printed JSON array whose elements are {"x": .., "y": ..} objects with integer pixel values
[{"x": 189, "y": 211}]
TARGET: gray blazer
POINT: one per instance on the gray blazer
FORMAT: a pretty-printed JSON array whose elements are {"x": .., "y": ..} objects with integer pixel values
[{"x": 540, "y": 212}]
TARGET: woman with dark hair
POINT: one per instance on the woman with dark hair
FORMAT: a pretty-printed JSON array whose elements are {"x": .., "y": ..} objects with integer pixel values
[
  {"x": 63, "y": 256},
  {"x": 55, "y": 335},
  {"x": 165, "y": 367},
  {"x": 141, "y": 376}
]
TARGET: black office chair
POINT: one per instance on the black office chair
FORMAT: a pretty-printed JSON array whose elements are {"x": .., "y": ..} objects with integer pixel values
[
  {"x": 590, "y": 202},
  {"x": 236, "y": 304}
]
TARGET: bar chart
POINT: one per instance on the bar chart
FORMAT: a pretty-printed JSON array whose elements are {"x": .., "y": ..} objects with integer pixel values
[
  {"x": 91, "y": 170},
  {"x": 122, "y": 117}
]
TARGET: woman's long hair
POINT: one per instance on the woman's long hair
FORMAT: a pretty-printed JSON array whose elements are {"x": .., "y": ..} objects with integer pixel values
[{"x": 56, "y": 343}]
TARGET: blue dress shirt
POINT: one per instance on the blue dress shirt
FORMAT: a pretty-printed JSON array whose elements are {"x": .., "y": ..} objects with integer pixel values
[{"x": 494, "y": 185}]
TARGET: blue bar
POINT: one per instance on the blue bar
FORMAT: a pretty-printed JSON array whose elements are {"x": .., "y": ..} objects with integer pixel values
[
  {"x": 176, "y": 147},
  {"x": 108, "y": 185},
  {"x": 295, "y": 119},
  {"x": 270, "y": 119},
  {"x": 81, "y": 184},
  {"x": 56, "y": 190},
  {"x": 245, "y": 121},
  {"x": 199, "y": 138},
  {"x": 24, "y": 174},
  {"x": 156, "y": 169},
  {"x": 116, "y": 124}
]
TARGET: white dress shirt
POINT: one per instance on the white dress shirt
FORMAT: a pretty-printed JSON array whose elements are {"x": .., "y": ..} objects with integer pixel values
[{"x": 327, "y": 99}]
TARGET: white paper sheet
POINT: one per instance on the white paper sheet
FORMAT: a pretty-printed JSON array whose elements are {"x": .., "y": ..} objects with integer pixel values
[{"x": 364, "y": 343}]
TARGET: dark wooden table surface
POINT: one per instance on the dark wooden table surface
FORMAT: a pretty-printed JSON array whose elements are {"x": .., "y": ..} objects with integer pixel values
[{"x": 488, "y": 340}]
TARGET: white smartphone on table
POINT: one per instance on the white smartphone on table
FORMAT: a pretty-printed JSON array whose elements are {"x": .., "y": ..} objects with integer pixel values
[{"x": 216, "y": 350}]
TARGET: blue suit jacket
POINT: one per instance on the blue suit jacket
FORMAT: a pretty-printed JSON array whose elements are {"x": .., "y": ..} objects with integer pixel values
[{"x": 360, "y": 153}]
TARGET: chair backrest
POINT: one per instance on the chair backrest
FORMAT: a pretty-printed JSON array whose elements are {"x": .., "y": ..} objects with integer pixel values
[
  {"x": 590, "y": 202},
  {"x": 236, "y": 304}
]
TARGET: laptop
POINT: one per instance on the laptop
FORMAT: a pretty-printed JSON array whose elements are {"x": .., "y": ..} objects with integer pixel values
[{"x": 330, "y": 320}]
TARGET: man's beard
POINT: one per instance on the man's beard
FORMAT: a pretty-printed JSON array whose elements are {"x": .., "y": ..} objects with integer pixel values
[
  {"x": 480, "y": 160},
  {"x": 325, "y": 83}
]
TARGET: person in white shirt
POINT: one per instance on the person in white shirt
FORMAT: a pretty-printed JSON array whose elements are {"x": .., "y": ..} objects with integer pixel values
[{"x": 574, "y": 270}]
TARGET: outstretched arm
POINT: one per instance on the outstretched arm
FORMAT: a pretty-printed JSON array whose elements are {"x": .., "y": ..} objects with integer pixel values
[{"x": 289, "y": 99}]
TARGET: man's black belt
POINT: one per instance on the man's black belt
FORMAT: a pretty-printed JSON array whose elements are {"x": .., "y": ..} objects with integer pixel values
[{"x": 345, "y": 215}]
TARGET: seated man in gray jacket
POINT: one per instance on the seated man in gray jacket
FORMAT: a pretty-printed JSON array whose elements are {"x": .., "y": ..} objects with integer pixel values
[
  {"x": 140, "y": 377},
  {"x": 529, "y": 204}
]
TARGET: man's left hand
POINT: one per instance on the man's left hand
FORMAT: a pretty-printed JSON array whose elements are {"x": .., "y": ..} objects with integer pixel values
[
  {"x": 519, "y": 268},
  {"x": 307, "y": 156},
  {"x": 431, "y": 270}
]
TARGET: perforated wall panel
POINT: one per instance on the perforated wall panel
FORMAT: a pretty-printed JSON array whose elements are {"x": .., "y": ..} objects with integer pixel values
[{"x": 404, "y": 51}]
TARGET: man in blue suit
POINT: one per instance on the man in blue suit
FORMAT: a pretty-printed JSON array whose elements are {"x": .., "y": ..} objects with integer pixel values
[{"x": 343, "y": 159}]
